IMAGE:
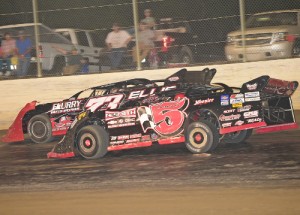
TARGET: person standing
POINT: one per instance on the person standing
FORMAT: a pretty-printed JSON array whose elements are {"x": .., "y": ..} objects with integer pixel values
[
  {"x": 117, "y": 42},
  {"x": 146, "y": 42},
  {"x": 24, "y": 47},
  {"x": 149, "y": 19},
  {"x": 76, "y": 63},
  {"x": 8, "y": 46}
]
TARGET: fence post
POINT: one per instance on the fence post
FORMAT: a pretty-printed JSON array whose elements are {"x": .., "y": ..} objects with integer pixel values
[
  {"x": 243, "y": 27},
  {"x": 36, "y": 37},
  {"x": 136, "y": 32}
]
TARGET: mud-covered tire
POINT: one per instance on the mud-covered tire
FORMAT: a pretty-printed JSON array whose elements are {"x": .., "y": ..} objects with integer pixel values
[
  {"x": 237, "y": 137},
  {"x": 92, "y": 142},
  {"x": 39, "y": 129},
  {"x": 201, "y": 137}
]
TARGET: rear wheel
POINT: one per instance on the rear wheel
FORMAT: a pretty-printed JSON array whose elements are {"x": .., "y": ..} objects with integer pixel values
[
  {"x": 296, "y": 49},
  {"x": 39, "y": 129},
  {"x": 92, "y": 142},
  {"x": 237, "y": 137},
  {"x": 186, "y": 56},
  {"x": 201, "y": 137}
]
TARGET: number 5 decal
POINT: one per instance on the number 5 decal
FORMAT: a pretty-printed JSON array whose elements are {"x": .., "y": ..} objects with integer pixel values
[{"x": 165, "y": 118}]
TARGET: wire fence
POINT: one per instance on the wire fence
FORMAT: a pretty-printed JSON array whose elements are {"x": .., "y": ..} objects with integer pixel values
[{"x": 73, "y": 35}]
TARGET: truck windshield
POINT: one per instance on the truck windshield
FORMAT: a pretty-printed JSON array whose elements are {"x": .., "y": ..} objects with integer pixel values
[{"x": 272, "y": 19}]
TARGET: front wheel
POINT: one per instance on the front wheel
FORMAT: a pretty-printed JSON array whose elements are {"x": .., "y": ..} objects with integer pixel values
[
  {"x": 201, "y": 137},
  {"x": 39, "y": 129},
  {"x": 92, "y": 142}
]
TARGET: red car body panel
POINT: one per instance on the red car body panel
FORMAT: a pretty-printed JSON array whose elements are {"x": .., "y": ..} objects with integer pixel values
[{"x": 15, "y": 131}]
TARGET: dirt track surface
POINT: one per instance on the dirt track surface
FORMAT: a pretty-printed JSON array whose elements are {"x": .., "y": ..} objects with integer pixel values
[{"x": 260, "y": 176}]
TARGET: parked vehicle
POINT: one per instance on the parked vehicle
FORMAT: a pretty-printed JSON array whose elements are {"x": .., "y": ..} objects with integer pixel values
[
  {"x": 87, "y": 43},
  {"x": 184, "y": 107},
  {"x": 47, "y": 38},
  {"x": 269, "y": 35},
  {"x": 177, "y": 43}
]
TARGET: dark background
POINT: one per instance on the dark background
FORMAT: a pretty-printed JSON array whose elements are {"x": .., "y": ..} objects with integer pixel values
[
  {"x": 97, "y": 14},
  {"x": 211, "y": 19}
]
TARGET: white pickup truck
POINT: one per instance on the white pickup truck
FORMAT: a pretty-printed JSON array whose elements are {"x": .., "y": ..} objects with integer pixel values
[
  {"x": 53, "y": 60},
  {"x": 87, "y": 43}
]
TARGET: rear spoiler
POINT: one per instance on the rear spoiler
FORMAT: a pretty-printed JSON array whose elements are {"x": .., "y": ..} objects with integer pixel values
[{"x": 270, "y": 86}]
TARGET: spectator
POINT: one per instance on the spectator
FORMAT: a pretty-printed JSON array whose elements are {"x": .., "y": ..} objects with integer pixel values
[
  {"x": 24, "y": 47},
  {"x": 8, "y": 46},
  {"x": 76, "y": 63},
  {"x": 146, "y": 42},
  {"x": 117, "y": 42},
  {"x": 149, "y": 20}
]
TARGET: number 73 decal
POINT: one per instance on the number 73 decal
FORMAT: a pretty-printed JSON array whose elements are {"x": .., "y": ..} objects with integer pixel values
[{"x": 165, "y": 118}]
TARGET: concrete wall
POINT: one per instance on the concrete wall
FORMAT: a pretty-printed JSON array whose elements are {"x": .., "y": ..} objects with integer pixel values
[{"x": 16, "y": 93}]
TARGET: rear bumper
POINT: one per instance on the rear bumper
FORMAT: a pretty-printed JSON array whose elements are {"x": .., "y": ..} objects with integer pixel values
[{"x": 15, "y": 131}]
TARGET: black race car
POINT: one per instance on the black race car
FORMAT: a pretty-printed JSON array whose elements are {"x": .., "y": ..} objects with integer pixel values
[
  {"x": 42, "y": 122},
  {"x": 185, "y": 107}
]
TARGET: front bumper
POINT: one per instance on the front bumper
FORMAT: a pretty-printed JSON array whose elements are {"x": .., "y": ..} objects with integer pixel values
[{"x": 259, "y": 52}]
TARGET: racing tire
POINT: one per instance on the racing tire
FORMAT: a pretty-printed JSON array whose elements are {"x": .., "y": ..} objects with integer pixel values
[
  {"x": 39, "y": 129},
  {"x": 92, "y": 142},
  {"x": 186, "y": 55},
  {"x": 201, "y": 137},
  {"x": 237, "y": 137}
]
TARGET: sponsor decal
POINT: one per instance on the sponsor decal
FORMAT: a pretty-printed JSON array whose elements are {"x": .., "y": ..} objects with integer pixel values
[
  {"x": 151, "y": 99},
  {"x": 280, "y": 87},
  {"x": 65, "y": 107},
  {"x": 230, "y": 117},
  {"x": 128, "y": 138},
  {"x": 245, "y": 108},
  {"x": 251, "y": 86},
  {"x": 237, "y": 105},
  {"x": 224, "y": 99},
  {"x": 175, "y": 78},
  {"x": 240, "y": 122},
  {"x": 237, "y": 98},
  {"x": 204, "y": 101},
  {"x": 227, "y": 124},
  {"x": 116, "y": 119},
  {"x": 254, "y": 120},
  {"x": 63, "y": 124},
  {"x": 229, "y": 111},
  {"x": 117, "y": 114},
  {"x": 148, "y": 92},
  {"x": 251, "y": 114},
  {"x": 252, "y": 99},
  {"x": 252, "y": 94}
]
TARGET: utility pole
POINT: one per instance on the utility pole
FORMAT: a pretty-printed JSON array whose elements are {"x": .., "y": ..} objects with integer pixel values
[
  {"x": 36, "y": 37},
  {"x": 136, "y": 32},
  {"x": 243, "y": 27}
]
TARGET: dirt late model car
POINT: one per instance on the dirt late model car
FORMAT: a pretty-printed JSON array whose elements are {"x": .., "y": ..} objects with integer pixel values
[
  {"x": 183, "y": 108},
  {"x": 42, "y": 122}
]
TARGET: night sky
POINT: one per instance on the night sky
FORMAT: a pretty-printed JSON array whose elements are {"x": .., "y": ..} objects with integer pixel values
[{"x": 100, "y": 14}]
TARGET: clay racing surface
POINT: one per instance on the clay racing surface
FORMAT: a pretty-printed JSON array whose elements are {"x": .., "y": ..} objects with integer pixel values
[{"x": 260, "y": 176}]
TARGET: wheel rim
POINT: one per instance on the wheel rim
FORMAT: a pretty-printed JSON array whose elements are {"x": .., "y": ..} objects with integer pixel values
[
  {"x": 38, "y": 129},
  {"x": 198, "y": 137},
  {"x": 87, "y": 143}
]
